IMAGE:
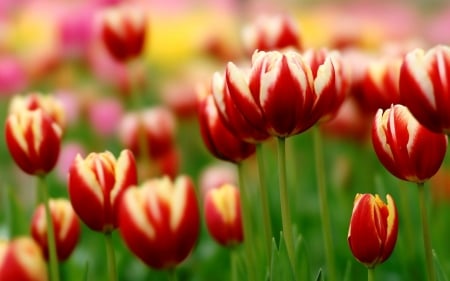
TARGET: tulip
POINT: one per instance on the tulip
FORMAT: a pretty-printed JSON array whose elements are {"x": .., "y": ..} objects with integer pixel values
[
  {"x": 380, "y": 84},
  {"x": 269, "y": 33},
  {"x": 66, "y": 228},
  {"x": 424, "y": 87},
  {"x": 222, "y": 143},
  {"x": 123, "y": 32},
  {"x": 96, "y": 185},
  {"x": 33, "y": 141},
  {"x": 223, "y": 215},
  {"x": 159, "y": 221},
  {"x": 48, "y": 103},
  {"x": 22, "y": 259},
  {"x": 282, "y": 86},
  {"x": 407, "y": 149},
  {"x": 373, "y": 229}
]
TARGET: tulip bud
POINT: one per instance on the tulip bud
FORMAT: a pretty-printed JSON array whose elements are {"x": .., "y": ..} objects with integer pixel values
[
  {"x": 223, "y": 215},
  {"x": 221, "y": 142},
  {"x": 66, "y": 227},
  {"x": 33, "y": 140},
  {"x": 373, "y": 229},
  {"x": 22, "y": 259},
  {"x": 424, "y": 87},
  {"x": 159, "y": 221},
  {"x": 123, "y": 31},
  {"x": 407, "y": 149},
  {"x": 269, "y": 33},
  {"x": 96, "y": 185}
]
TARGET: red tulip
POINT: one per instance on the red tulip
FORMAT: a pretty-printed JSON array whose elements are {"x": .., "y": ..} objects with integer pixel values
[
  {"x": 22, "y": 259},
  {"x": 373, "y": 229},
  {"x": 96, "y": 185},
  {"x": 223, "y": 215},
  {"x": 269, "y": 33},
  {"x": 66, "y": 227},
  {"x": 220, "y": 141},
  {"x": 425, "y": 87},
  {"x": 406, "y": 148},
  {"x": 33, "y": 140},
  {"x": 159, "y": 221},
  {"x": 123, "y": 31}
]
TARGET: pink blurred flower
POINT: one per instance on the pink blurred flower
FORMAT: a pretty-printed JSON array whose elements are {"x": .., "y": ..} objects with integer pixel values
[
  {"x": 104, "y": 115},
  {"x": 13, "y": 76},
  {"x": 68, "y": 153},
  {"x": 216, "y": 175}
]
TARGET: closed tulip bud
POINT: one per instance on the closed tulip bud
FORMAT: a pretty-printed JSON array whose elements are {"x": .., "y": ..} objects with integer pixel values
[
  {"x": 219, "y": 140},
  {"x": 123, "y": 32},
  {"x": 49, "y": 104},
  {"x": 269, "y": 33},
  {"x": 373, "y": 229},
  {"x": 159, "y": 221},
  {"x": 22, "y": 259},
  {"x": 424, "y": 87},
  {"x": 33, "y": 140},
  {"x": 96, "y": 185},
  {"x": 407, "y": 149},
  {"x": 66, "y": 227},
  {"x": 223, "y": 215}
]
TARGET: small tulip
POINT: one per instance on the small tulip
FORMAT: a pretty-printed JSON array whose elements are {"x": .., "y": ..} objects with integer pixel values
[
  {"x": 269, "y": 33},
  {"x": 160, "y": 221},
  {"x": 22, "y": 259},
  {"x": 219, "y": 140},
  {"x": 223, "y": 215},
  {"x": 96, "y": 185},
  {"x": 123, "y": 32},
  {"x": 158, "y": 126},
  {"x": 33, "y": 140},
  {"x": 373, "y": 229},
  {"x": 66, "y": 227},
  {"x": 407, "y": 149},
  {"x": 424, "y": 87}
]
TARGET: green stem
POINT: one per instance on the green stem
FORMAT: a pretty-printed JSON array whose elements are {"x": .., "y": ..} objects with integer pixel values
[
  {"x": 53, "y": 258},
  {"x": 323, "y": 202},
  {"x": 285, "y": 211},
  {"x": 370, "y": 274},
  {"x": 112, "y": 272},
  {"x": 247, "y": 224},
  {"x": 172, "y": 274},
  {"x": 234, "y": 264},
  {"x": 426, "y": 234},
  {"x": 264, "y": 200}
]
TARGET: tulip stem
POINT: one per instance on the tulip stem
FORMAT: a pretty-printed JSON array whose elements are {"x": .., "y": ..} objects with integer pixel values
[
  {"x": 234, "y": 264},
  {"x": 323, "y": 202},
  {"x": 112, "y": 272},
  {"x": 285, "y": 211},
  {"x": 172, "y": 274},
  {"x": 264, "y": 200},
  {"x": 53, "y": 259},
  {"x": 370, "y": 274},
  {"x": 246, "y": 218},
  {"x": 426, "y": 234}
]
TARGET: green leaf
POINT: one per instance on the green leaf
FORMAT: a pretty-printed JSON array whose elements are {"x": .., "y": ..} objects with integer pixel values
[
  {"x": 85, "y": 276},
  {"x": 319, "y": 276},
  {"x": 440, "y": 273},
  {"x": 280, "y": 268}
]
